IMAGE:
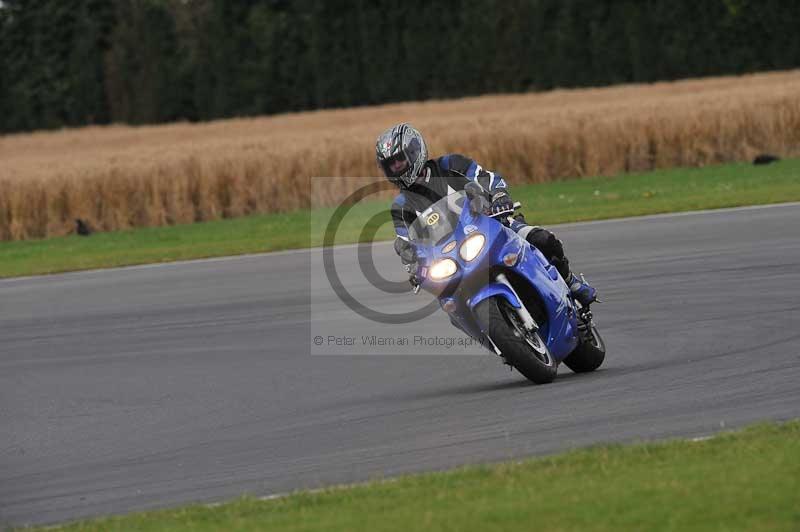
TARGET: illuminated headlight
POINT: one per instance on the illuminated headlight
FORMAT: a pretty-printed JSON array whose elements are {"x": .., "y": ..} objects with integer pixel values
[
  {"x": 443, "y": 269},
  {"x": 472, "y": 247}
]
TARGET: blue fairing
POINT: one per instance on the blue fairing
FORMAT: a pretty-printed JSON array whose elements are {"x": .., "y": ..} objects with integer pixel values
[{"x": 475, "y": 281}]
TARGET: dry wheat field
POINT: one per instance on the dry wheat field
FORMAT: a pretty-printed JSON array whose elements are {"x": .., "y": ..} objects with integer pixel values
[{"x": 121, "y": 177}]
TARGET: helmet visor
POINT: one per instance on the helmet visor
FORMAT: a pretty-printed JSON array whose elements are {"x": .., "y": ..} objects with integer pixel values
[{"x": 395, "y": 166}]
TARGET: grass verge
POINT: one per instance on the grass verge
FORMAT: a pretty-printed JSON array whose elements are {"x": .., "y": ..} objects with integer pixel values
[
  {"x": 747, "y": 480},
  {"x": 586, "y": 199}
]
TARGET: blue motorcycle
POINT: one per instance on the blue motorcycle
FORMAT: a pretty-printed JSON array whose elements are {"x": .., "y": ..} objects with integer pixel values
[{"x": 500, "y": 290}]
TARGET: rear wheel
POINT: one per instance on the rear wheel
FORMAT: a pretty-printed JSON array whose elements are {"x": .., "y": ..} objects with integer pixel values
[
  {"x": 524, "y": 350},
  {"x": 590, "y": 353}
]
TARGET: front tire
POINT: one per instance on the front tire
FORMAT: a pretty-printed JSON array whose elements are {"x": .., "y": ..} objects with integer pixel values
[
  {"x": 522, "y": 349},
  {"x": 589, "y": 354}
]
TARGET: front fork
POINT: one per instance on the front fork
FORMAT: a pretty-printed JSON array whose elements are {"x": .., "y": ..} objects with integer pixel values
[{"x": 527, "y": 320}]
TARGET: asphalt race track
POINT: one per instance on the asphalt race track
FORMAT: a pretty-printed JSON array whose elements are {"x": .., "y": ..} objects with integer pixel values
[{"x": 146, "y": 387}]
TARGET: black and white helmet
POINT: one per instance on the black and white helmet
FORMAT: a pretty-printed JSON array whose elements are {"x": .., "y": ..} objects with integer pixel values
[{"x": 401, "y": 153}]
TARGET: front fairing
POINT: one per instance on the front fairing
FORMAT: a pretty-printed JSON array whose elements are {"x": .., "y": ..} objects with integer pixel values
[
  {"x": 471, "y": 276},
  {"x": 500, "y": 240}
]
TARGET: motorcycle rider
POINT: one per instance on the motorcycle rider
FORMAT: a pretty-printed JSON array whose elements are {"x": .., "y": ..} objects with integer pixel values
[{"x": 402, "y": 156}]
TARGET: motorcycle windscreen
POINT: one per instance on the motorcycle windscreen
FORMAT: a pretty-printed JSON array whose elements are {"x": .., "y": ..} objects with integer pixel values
[{"x": 436, "y": 223}]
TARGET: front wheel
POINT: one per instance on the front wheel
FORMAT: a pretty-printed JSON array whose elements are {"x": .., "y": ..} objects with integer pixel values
[
  {"x": 524, "y": 350},
  {"x": 590, "y": 353}
]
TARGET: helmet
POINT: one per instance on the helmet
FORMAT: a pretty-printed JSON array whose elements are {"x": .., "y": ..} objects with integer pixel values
[{"x": 401, "y": 153}]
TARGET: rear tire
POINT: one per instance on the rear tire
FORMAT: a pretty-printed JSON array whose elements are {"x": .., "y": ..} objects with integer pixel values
[
  {"x": 524, "y": 350},
  {"x": 589, "y": 354}
]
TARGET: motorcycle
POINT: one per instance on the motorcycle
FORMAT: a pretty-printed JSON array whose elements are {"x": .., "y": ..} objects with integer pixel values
[{"x": 500, "y": 290}]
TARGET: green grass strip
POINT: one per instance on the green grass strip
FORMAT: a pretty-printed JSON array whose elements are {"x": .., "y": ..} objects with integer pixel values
[
  {"x": 748, "y": 480},
  {"x": 569, "y": 201}
]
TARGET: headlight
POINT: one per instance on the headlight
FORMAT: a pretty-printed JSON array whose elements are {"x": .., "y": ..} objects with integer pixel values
[
  {"x": 443, "y": 269},
  {"x": 472, "y": 246}
]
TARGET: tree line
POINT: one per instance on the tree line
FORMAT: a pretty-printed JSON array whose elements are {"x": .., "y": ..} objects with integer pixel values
[{"x": 78, "y": 62}]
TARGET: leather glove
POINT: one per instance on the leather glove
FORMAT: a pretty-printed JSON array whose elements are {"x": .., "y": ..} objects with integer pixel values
[
  {"x": 407, "y": 252},
  {"x": 502, "y": 204},
  {"x": 408, "y": 256}
]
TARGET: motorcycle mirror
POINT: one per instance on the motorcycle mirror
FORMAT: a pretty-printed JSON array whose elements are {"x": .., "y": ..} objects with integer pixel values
[{"x": 473, "y": 190}]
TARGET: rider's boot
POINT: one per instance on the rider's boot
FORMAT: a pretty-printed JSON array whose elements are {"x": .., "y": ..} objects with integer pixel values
[{"x": 582, "y": 291}]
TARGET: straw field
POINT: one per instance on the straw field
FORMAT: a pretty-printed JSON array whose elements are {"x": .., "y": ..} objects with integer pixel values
[{"x": 122, "y": 177}]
